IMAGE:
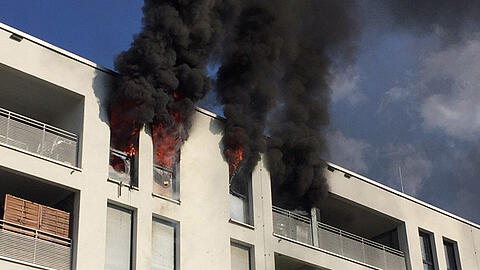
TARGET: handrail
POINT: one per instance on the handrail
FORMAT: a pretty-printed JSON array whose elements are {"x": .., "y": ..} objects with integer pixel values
[
  {"x": 36, "y": 123},
  {"x": 170, "y": 170},
  {"x": 291, "y": 214},
  {"x": 338, "y": 231},
  {"x": 35, "y": 231}
]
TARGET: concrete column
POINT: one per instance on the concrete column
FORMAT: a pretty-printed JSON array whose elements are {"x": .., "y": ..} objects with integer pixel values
[
  {"x": 313, "y": 214},
  {"x": 266, "y": 255}
]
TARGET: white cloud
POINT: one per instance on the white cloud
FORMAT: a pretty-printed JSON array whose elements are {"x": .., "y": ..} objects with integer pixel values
[
  {"x": 348, "y": 152},
  {"x": 394, "y": 95},
  {"x": 453, "y": 77},
  {"x": 345, "y": 86},
  {"x": 414, "y": 166}
]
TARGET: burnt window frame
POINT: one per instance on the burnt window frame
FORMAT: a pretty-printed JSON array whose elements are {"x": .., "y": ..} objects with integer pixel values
[
  {"x": 134, "y": 182},
  {"x": 175, "y": 171},
  {"x": 133, "y": 168},
  {"x": 248, "y": 198}
]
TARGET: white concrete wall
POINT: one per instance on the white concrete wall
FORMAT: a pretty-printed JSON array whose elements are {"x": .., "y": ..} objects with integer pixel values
[
  {"x": 416, "y": 215},
  {"x": 203, "y": 211}
]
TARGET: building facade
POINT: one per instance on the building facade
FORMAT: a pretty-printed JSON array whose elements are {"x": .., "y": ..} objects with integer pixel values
[{"x": 129, "y": 213}]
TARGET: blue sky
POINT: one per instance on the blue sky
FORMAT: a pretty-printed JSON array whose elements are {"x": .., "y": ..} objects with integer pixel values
[{"x": 408, "y": 103}]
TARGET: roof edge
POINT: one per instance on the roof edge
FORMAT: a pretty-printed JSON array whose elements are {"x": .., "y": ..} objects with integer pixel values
[
  {"x": 56, "y": 49},
  {"x": 96, "y": 66},
  {"x": 402, "y": 195}
]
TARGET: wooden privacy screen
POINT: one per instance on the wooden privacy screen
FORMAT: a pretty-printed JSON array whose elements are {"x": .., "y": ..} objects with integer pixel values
[{"x": 35, "y": 216}]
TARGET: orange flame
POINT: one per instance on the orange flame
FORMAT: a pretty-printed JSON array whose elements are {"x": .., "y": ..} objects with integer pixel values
[
  {"x": 124, "y": 131},
  {"x": 167, "y": 141},
  {"x": 234, "y": 157}
]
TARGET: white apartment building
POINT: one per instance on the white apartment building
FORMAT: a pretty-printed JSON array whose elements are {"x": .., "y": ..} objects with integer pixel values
[{"x": 55, "y": 151}]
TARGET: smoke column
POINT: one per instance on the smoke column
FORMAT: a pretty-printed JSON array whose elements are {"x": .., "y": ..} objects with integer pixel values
[
  {"x": 247, "y": 85},
  {"x": 274, "y": 77},
  {"x": 275, "y": 59},
  {"x": 163, "y": 73}
]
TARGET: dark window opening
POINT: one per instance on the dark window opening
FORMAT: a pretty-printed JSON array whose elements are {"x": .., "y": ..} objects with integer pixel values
[
  {"x": 240, "y": 197},
  {"x": 451, "y": 255},
  {"x": 427, "y": 252}
]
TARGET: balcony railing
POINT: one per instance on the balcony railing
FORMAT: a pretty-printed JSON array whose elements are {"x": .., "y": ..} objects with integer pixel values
[
  {"x": 22, "y": 244},
  {"x": 292, "y": 225},
  {"x": 39, "y": 138},
  {"x": 298, "y": 227}
]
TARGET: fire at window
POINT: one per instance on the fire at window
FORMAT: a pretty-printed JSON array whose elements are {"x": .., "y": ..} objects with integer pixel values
[
  {"x": 121, "y": 167},
  {"x": 165, "y": 181}
]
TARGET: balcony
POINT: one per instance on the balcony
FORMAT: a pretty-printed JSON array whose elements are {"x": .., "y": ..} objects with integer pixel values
[
  {"x": 38, "y": 138},
  {"x": 22, "y": 244},
  {"x": 36, "y": 222},
  {"x": 300, "y": 228}
]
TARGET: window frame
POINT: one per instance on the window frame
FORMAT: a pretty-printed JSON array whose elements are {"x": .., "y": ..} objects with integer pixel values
[
  {"x": 249, "y": 248},
  {"x": 456, "y": 253},
  {"x": 176, "y": 237},
  {"x": 175, "y": 171},
  {"x": 132, "y": 213},
  {"x": 423, "y": 234},
  {"x": 248, "y": 199}
]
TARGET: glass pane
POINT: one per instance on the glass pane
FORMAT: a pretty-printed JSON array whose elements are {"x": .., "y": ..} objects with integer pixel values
[
  {"x": 426, "y": 248},
  {"x": 240, "y": 257},
  {"x": 450, "y": 256},
  {"x": 120, "y": 167},
  {"x": 163, "y": 246},
  {"x": 239, "y": 208},
  {"x": 164, "y": 182},
  {"x": 119, "y": 239}
]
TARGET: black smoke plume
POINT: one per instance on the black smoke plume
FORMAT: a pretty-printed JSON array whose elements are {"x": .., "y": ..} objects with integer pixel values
[
  {"x": 275, "y": 58},
  {"x": 274, "y": 77},
  {"x": 163, "y": 73}
]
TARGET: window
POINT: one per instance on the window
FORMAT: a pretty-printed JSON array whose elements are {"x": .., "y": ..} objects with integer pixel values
[
  {"x": 122, "y": 168},
  {"x": 166, "y": 159},
  {"x": 163, "y": 245},
  {"x": 240, "y": 257},
  {"x": 165, "y": 181},
  {"x": 427, "y": 251},
  {"x": 451, "y": 255},
  {"x": 118, "y": 249},
  {"x": 240, "y": 198}
]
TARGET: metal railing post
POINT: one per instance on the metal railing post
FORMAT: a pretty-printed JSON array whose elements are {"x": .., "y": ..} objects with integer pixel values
[
  {"x": 43, "y": 139},
  {"x": 35, "y": 240},
  {"x": 314, "y": 225},
  {"x": 384, "y": 257},
  {"x": 363, "y": 251},
  {"x": 8, "y": 127},
  {"x": 341, "y": 242}
]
